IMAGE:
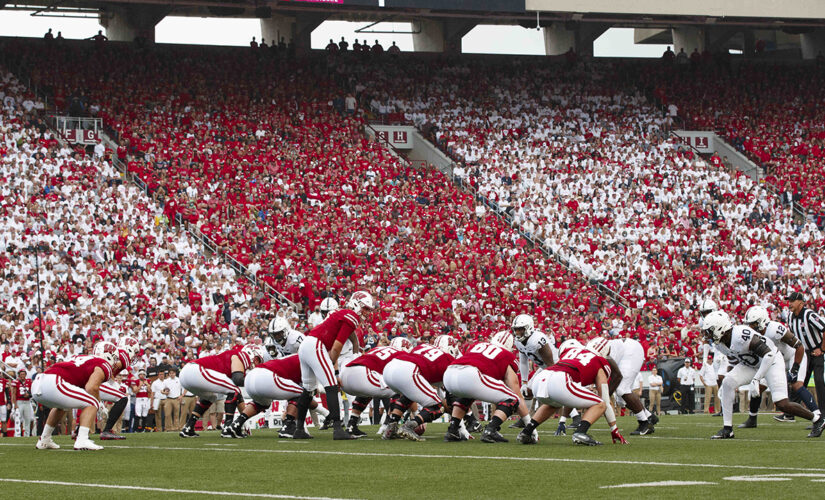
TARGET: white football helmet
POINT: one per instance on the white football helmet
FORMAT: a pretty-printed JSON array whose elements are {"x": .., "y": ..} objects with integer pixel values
[
  {"x": 570, "y": 344},
  {"x": 271, "y": 347},
  {"x": 360, "y": 300},
  {"x": 758, "y": 318},
  {"x": 130, "y": 345},
  {"x": 523, "y": 322},
  {"x": 401, "y": 343},
  {"x": 447, "y": 344},
  {"x": 503, "y": 339},
  {"x": 715, "y": 325},
  {"x": 107, "y": 351},
  {"x": 707, "y": 307},
  {"x": 600, "y": 346},
  {"x": 278, "y": 329},
  {"x": 328, "y": 306},
  {"x": 255, "y": 351}
]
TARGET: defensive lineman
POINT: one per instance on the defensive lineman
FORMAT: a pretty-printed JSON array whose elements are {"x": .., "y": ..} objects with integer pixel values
[{"x": 751, "y": 358}]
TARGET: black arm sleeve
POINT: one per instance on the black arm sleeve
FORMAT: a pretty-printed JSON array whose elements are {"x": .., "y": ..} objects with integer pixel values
[
  {"x": 759, "y": 347},
  {"x": 237, "y": 378}
]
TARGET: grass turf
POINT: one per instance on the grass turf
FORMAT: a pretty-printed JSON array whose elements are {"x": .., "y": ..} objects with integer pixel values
[{"x": 680, "y": 450}]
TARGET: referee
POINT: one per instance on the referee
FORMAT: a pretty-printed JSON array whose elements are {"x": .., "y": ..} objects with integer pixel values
[{"x": 808, "y": 327}]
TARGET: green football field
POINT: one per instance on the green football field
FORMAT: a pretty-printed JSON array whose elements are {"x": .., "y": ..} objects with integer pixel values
[{"x": 773, "y": 461}]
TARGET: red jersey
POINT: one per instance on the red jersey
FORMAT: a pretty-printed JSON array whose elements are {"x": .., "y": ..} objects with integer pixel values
[
  {"x": 79, "y": 369},
  {"x": 338, "y": 326},
  {"x": 22, "y": 389},
  {"x": 3, "y": 385},
  {"x": 288, "y": 368},
  {"x": 143, "y": 387},
  {"x": 222, "y": 363},
  {"x": 490, "y": 360},
  {"x": 431, "y": 361},
  {"x": 582, "y": 365},
  {"x": 376, "y": 359}
]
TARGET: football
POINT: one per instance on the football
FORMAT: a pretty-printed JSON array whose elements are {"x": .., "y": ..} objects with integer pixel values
[{"x": 420, "y": 429}]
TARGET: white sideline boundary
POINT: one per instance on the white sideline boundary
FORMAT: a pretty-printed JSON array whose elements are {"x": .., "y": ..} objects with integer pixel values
[{"x": 163, "y": 490}]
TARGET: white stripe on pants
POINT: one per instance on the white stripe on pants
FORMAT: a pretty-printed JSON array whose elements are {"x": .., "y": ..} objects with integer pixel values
[
  {"x": 110, "y": 393},
  {"x": 467, "y": 381},
  {"x": 405, "y": 378},
  {"x": 52, "y": 391},
  {"x": 265, "y": 386},
  {"x": 359, "y": 380},
  {"x": 316, "y": 366},
  {"x": 206, "y": 383}
]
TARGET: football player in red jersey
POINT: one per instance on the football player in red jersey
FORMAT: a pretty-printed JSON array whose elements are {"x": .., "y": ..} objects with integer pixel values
[
  {"x": 74, "y": 384},
  {"x": 222, "y": 373},
  {"x": 414, "y": 377},
  {"x": 277, "y": 379},
  {"x": 363, "y": 378},
  {"x": 565, "y": 384},
  {"x": 319, "y": 355},
  {"x": 488, "y": 371},
  {"x": 5, "y": 398},
  {"x": 117, "y": 394},
  {"x": 21, "y": 394}
]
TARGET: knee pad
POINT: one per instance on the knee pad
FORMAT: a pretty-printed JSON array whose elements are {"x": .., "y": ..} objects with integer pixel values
[
  {"x": 400, "y": 402},
  {"x": 361, "y": 403},
  {"x": 463, "y": 403},
  {"x": 233, "y": 399},
  {"x": 431, "y": 413},
  {"x": 202, "y": 406},
  {"x": 508, "y": 407}
]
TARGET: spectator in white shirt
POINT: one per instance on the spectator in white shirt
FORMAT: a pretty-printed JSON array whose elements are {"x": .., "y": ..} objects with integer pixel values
[
  {"x": 707, "y": 375},
  {"x": 654, "y": 381},
  {"x": 171, "y": 405},
  {"x": 687, "y": 379}
]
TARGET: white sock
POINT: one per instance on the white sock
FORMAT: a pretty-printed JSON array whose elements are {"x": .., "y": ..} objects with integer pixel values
[
  {"x": 642, "y": 415},
  {"x": 574, "y": 413},
  {"x": 83, "y": 433},
  {"x": 47, "y": 432},
  {"x": 817, "y": 414}
]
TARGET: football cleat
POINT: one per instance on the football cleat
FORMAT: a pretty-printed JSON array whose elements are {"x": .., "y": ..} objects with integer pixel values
[
  {"x": 472, "y": 423},
  {"x": 341, "y": 434},
  {"x": 723, "y": 434},
  {"x": 816, "y": 429},
  {"x": 355, "y": 431},
  {"x": 300, "y": 434},
  {"x": 188, "y": 432},
  {"x": 653, "y": 419},
  {"x": 327, "y": 423},
  {"x": 408, "y": 431},
  {"x": 518, "y": 424},
  {"x": 226, "y": 432},
  {"x": 452, "y": 435},
  {"x": 784, "y": 418},
  {"x": 492, "y": 436},
  {"x": 86, "y": 445},
  {"x": 584, "y": 439},
  {"x": 526, "y": 438},
  {"x": 47, "y": 444},
  {"x": 110, "y": 436},
  {"x": 577, "y": 420},
  {"x": 750, "y": 423},
  {"x": 391, "y": 432},
  {"x": 238, "y": 430},
  {"x": 643, "y": 430},
  {"x": 288, "y": 429}
]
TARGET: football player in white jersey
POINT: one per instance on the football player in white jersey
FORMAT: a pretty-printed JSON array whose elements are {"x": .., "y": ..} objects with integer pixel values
[
  {"x": 532, "y": 345},
  {"x": 792, "y": 352},
  {"x": 751, "y": 358},
  {"x": 283, "y": 338},
  {"x": 630, "y": 356}
]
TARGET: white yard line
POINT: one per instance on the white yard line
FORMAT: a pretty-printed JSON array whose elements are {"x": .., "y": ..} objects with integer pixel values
[
  {"x": 471, "y": 457},
  {"x": 657, "y": 484},
  {"x": 162, "y": 490}
]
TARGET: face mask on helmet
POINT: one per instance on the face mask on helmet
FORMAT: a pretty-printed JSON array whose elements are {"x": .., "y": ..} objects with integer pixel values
[{"x": 523, "y": 327}]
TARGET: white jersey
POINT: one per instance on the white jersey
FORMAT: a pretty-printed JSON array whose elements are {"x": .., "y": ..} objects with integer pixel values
[
  {"x": 739, "y": 350},
  {"x": 774, "y": 332},
  {"x": 619, "y": 348},
  {"x": 292, "y": 343},
  {"x": 530, "y": 349}
]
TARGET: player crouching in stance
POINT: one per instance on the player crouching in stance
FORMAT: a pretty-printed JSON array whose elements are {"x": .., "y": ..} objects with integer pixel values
[
  {"x": 752, "y": 358},
  {"x": 487, "y": 372},
  {"x": 414, "y": 377},
  {"x": 127, "y": 351},
  {"x": 74, "y": 384},
  {"x": 564, "y": 384},
  {"x": 219, "y": 374}
]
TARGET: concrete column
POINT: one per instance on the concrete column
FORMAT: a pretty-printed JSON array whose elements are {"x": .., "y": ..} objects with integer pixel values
[
  {"x": 688, "y": 38},
  {"x": 124, "y": 24},
  {"x": 561, "y": 37},
  {"x": 441, "y": 36},
  {"x": 276, "y": 27},
  {"x": 305, "y": 24},
  {"x": 812, "y": 44}
]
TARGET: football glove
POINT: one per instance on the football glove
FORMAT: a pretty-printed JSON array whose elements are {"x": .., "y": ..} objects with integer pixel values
[
  {"x": 102, "y": 413},
  {"x": 617, "y": 436},
  {"x": 753, "y": 388},
  {"x": 561, "y": 430},
  {"x": 525, "y": 391}
]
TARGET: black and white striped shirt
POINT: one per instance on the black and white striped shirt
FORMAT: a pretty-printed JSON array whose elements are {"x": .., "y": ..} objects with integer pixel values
[{"x": 808, "y": 327}]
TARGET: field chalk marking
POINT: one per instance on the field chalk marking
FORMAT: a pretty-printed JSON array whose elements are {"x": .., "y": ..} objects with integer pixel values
[{"x": 656, "y": 484}]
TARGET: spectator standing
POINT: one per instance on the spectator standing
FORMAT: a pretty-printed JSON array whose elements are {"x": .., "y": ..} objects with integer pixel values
[
  {"x": 159, "y": 392},
  {"x": 171, "y": 405},
  {"x": 343, "y": 45},
  {"x": 808, "y": 327},
  {"x": 687, "y": 379},
  {"x": 654, "y": 382},
  {"x": 707, "y": 375}
]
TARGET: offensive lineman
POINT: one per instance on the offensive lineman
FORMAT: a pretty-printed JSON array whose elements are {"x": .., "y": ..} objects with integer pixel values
[
  {"x": 751, "y": 358},
  {"x": 796, "y": 363}
]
